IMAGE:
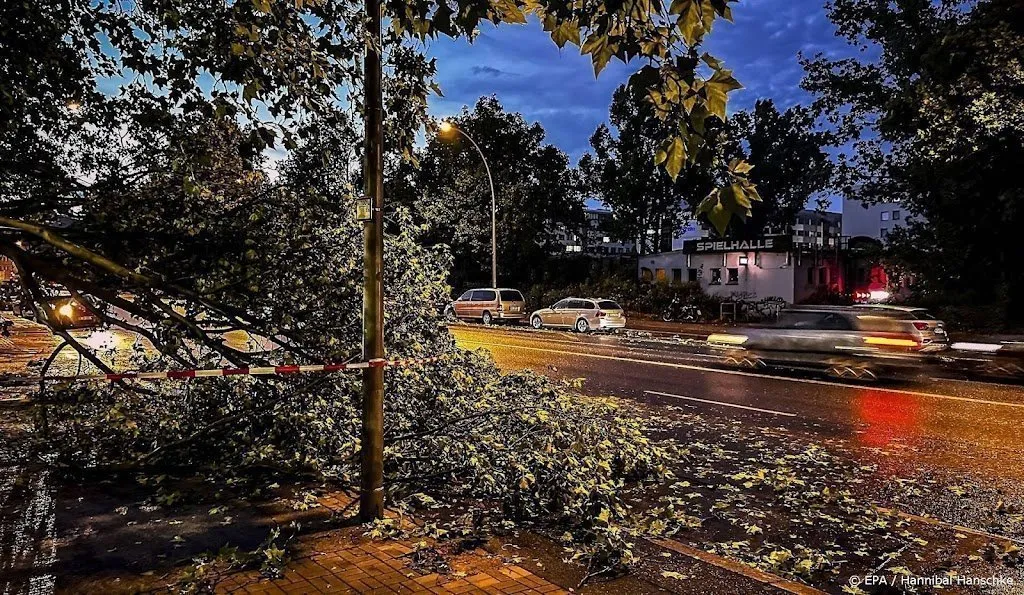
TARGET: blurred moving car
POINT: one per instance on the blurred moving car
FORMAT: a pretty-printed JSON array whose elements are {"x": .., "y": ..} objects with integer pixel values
[
  {"x": 845, "y": 342},
  {"x": 930, "y": 331},
  {"x": 999, "y": 361},
  {"x": 580, "y": 314},
  {"x": 488, "y": 305}
]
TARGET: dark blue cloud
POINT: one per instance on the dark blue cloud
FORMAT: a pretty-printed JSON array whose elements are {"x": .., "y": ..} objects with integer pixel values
[{"x": 529, "y": 74}]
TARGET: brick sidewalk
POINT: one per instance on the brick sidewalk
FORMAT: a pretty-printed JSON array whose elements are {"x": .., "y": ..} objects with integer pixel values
[{"x": 345, "y": 561}]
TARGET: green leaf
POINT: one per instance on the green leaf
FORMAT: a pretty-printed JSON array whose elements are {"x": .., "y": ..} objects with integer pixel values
[
  {"x": 675, "y": 157},
  {"x": 719, "y": 217},
  {"x": 600, "y": 50},
  {"x": 739, "y": 166},
  {"x": 508, "y": 12},
  {"x": 716, "y": 90},
  {"x": 689, "y": 23},
  {"x": 712, "y": 62},
  {"x": 563, "y": 31}
]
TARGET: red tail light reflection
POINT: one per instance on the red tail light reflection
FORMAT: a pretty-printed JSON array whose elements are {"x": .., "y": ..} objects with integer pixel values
[{"x": 889, "y": 417}]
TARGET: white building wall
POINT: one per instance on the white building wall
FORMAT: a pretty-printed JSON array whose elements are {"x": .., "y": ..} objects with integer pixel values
[{"x": 766, "y": 274}]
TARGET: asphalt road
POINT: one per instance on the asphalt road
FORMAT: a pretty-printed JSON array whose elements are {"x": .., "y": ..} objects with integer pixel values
[{"x": 954, "y": 430}]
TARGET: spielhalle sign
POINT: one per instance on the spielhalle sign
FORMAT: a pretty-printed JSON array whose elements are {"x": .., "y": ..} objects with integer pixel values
[{"x": 758, "y": 244}]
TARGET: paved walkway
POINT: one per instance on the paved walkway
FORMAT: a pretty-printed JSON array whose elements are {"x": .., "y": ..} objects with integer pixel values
[{"x": 346, "y": 561}]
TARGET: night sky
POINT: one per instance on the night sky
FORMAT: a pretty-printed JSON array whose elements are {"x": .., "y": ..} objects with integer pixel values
[{"x": 528, "y": 73}]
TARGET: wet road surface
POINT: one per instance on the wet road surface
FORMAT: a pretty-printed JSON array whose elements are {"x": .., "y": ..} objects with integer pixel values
[
  {"x": 955, "y": 432},
  {"x": 27, "y": 490}
]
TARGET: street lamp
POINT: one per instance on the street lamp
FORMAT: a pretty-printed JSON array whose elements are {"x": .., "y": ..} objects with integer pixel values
[{"x": 446, "y": 128}]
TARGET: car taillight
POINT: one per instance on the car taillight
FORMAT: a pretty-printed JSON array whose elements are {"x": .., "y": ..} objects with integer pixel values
[
  {"x": 921, "y": 326},
  {"x": 600, "y": 314}
]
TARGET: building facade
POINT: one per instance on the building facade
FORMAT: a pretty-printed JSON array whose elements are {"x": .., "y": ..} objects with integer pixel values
[
  {"x": 595, "y": 238},
  {"x": 797, "y": 265},
  {"x": 874, "y": 221}
]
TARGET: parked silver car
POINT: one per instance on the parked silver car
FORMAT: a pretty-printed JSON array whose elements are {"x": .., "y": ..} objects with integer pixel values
[
  {"x": 582, "y": 314},
  {"x": 930, "y": 331}
]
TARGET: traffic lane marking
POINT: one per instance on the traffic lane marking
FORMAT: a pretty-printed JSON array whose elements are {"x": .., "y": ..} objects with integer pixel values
[
  {"x": 722, "y": 403},
  {"x": 623, "y": 342},
  {"x": 755, "y": 375}
]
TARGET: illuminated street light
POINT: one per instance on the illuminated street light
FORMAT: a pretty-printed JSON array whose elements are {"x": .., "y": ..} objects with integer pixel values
[{"x": 447, "y": 127}]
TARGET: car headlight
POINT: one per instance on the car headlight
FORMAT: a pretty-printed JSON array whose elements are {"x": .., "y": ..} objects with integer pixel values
[{"x": 728, "y": 339}]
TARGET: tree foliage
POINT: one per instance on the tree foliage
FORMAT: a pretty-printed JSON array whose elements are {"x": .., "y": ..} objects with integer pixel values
[
  {"x": 786, "y": 150},
  {"x": 132, "y": 172},
  {"x": 449, "y": 192},
  {"x": 774, "y": 156},
  {"x": 75, "y": 66},
  {"x": 934, "y": 117},
  {"x": 648, "y": 203}
]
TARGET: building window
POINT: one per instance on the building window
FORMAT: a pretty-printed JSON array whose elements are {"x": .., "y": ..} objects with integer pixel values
[
  {"x": 810, "y": 276},
  {"x": 716, "y": 276},
  {"x": 886, "y": 215},
  {"x": 884, "y": 233},
  {"x": 677, "y": 275},
  {"x": 659, "y": 274},
  {"x": 734, "y": 277},
  {"x": 823, "y": 276},
  {"x": 691, "y": 275},
  {"x": 895, "y": 215}
]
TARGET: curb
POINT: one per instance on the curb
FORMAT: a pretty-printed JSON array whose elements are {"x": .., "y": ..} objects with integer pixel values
[{"x": 740, "y": 568}]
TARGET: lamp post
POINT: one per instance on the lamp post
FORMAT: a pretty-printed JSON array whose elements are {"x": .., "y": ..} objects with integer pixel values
[
  {"x": 371, "y": 494},
  {"x": 447, "y": 127}
]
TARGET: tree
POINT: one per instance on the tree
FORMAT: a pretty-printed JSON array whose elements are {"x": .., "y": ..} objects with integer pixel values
[
  {"x": 533, "y": 183},
  {"x": 935, "y": 122},
  {"x": 790, "y": 165},
  {"x": 274, "y": 64},
  {"x": 132, "y": 138},
  {"x": 784, "y": 150},
  {"x": 648, "y": 204}
]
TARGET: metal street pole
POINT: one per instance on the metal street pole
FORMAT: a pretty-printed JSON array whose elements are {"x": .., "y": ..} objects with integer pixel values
[
  {"x": 494, "y": 209},
  {"x": 371, "y": 495}
]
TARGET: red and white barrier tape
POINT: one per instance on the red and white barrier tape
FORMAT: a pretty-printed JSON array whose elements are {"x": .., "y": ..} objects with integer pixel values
[{"x": 255, "y": 371}]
